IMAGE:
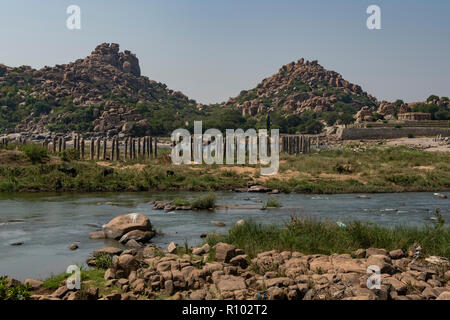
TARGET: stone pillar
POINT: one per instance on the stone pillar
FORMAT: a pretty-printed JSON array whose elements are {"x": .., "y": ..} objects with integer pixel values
[
  {"x": 82, "y": 149},
  {"x": 92, "y": 148},
  {"x": 139, "y": 148},
  {"x": 59, "y": 144},
  {"x": 117, "y": 149},
  {"x": 144, "y": 148},
  {"x": 98, "y": 149},
  {"x": 74, "y": 137},
  {"x": 150, "y": 151},
  {"x": 105, "y": 145},
  {"x": 113, "y": 149},
  {"x": 126, "y": 149},
  {"x": 78, "y": 146}
]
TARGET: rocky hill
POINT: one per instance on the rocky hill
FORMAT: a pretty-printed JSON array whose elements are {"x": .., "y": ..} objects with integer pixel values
[
  {"x": 103, "y": 92},
  {"x": 301, "y": 87}
]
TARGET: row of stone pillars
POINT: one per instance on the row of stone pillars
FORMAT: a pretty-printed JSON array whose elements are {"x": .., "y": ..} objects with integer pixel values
[
  {"x": 4, "y": 142},
  {"x": 296, "y": 144},
  {"x": 134, "y": 148}
]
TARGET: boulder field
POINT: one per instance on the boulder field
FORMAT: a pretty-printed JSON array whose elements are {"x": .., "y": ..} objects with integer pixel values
[{"x": 226, "y": 272}]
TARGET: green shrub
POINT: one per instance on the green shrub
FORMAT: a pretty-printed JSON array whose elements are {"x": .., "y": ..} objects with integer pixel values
[
  {"x": 103, "y": 261},
  {"x": 181, "y": 202},
  {"x": 204, "y": 202},
  {"x": 35, "y": 153},
  {"x": 70, "y": 155},
  {"x": 14, "y": 292},
  {"x": 410, "y": 135},
  {"x": 272, "y": 203}
]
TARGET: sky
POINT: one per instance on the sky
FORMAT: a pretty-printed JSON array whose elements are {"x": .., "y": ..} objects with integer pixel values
[{"x": 211, "y": 50}]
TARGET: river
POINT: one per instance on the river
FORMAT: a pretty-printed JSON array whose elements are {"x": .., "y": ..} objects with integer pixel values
[{"x": 48, "y": 223}]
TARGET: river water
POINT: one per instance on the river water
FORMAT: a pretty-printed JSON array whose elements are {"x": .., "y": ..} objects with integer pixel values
[{"x": 48, "y": 223}]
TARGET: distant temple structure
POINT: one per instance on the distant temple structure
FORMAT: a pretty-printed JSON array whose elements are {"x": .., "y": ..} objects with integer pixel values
[{"x": 414, "y": 116}]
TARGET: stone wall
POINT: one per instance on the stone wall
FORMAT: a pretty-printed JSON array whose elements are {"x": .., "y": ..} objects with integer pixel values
[{"x": 391, "y": 133}]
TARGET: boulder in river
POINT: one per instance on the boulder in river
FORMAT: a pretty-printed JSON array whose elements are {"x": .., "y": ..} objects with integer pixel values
[
  {"x": 137, "y": 235},
  {"x": 122, "y": 225}
]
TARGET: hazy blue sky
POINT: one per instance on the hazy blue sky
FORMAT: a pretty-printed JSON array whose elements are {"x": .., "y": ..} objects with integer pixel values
[{"x": 212, "y": 49}]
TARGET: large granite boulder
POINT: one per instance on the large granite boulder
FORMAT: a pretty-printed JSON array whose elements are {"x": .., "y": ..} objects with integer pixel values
[{"x": 121, "y": 225}]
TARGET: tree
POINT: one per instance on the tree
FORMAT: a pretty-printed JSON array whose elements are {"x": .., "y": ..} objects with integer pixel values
[
  {"x": 432, "y": 98},
  {"x": 313, "y": 127}
]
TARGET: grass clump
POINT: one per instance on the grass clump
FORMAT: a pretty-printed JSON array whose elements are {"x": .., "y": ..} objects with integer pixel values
[
  {"x": 204, "y": 202},
  {"x": 272, "y": 203},
  {"x": 325, "y": 237},
  {"x": 35, "y": 153},
  {"x": 103, "y": 261},
  {"x": 182, "y": 202}
]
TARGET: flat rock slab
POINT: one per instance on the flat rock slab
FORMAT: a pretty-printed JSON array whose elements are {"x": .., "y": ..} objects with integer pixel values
[{"x": 110, "y": 250}]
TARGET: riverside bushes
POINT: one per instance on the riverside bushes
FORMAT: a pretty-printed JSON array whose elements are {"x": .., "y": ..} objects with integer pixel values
[
  {"x": 35, "y": 153},
  {"x": 341, "y": 170},
  {"x": 11, "y": 291}
]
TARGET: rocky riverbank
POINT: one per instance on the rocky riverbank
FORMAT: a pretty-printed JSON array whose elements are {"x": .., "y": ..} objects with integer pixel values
[{"x": 226, "y": 272}]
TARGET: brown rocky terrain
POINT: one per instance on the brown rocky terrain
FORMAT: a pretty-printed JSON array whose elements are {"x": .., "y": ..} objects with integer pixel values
[
  {"x": 226, "y": 272},
  {"x": 298, "y": 87},
  {"x": 105, "y": 94},
  {"x": 144, "y": 271},
  {"x": 107, "y": 80}
]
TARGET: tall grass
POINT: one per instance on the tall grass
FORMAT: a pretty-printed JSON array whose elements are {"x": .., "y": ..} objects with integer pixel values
[
  {"x": 204, "y": 202},
  {"x": 35, "y": 153},
  {"x": 318, "y": 237}
]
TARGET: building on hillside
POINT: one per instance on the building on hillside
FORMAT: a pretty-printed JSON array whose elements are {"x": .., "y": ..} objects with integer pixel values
[{"x": 414, "y": 116}]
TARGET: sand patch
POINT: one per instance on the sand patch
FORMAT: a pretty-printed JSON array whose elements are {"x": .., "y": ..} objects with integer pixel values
[
  {"x": 137, "y": 167},
  {"x": 424, "y": 168}
]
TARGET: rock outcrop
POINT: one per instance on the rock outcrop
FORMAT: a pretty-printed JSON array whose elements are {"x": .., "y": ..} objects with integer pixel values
[
  {"x": 103, "y": 90},
  {"x": 298, "y": 87}
]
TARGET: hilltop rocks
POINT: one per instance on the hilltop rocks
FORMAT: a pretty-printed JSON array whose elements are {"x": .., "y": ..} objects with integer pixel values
[
  {"x": 296, "y": 88},
  {"x": 122, "y": 225},
  {"x": 94, "y": 81}
]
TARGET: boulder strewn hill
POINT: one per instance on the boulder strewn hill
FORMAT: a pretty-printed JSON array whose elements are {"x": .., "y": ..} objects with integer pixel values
[
  {"x": 103, "y": 92},
  {"x": 301, "y": 87}
]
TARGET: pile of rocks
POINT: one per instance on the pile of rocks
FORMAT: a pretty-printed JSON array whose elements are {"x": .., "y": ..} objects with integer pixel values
[
  {"x": 169, "y": 206},
  {"x": 226, "y": 272}
]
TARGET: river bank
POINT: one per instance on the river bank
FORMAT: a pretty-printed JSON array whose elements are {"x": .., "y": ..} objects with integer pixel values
[
  {"x": 350, "y": 169},
  {"x": 47, "y": 224},
  {"x": 218, "y": 270}
]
